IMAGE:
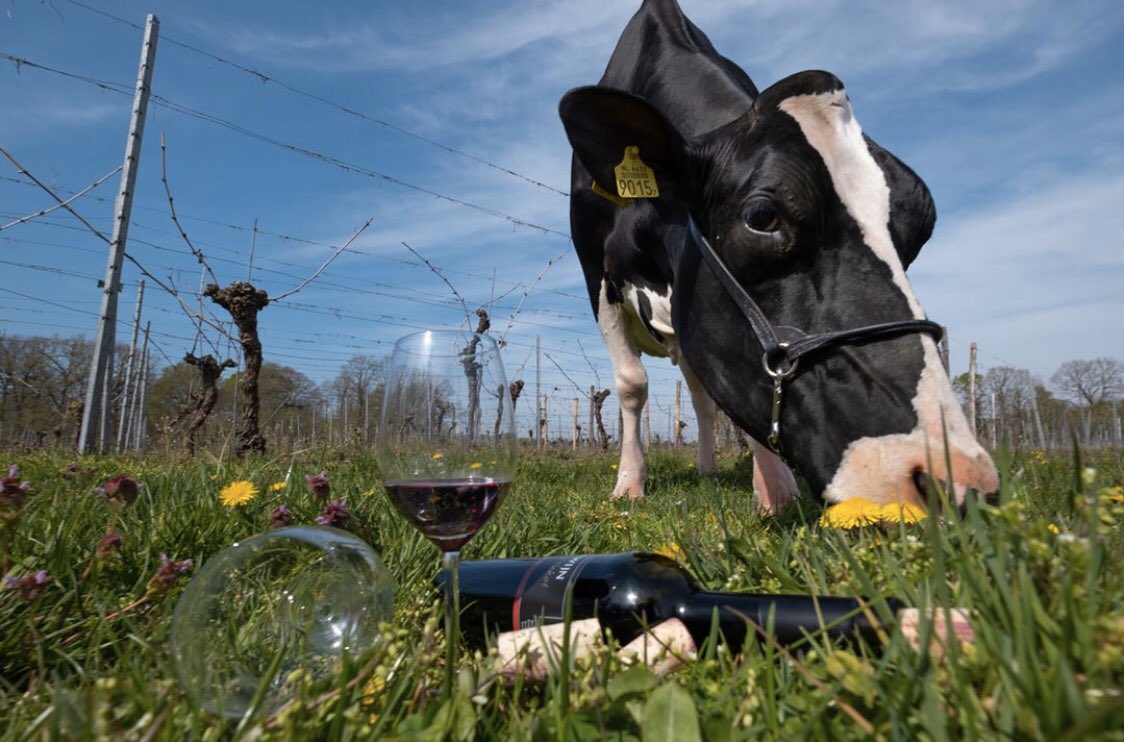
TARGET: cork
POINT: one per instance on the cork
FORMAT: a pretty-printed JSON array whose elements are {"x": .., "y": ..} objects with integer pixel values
[
  {"x": 662, "y": 649},
  {"x": 910, "y": 621},
  {"x": 532, "y": 653}
]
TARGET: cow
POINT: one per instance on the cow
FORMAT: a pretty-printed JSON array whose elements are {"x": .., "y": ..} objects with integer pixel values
[{"x": 759, "y": 239}]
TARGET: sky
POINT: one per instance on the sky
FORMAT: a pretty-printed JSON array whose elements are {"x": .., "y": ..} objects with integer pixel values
[{"x": 438, "y": 122}]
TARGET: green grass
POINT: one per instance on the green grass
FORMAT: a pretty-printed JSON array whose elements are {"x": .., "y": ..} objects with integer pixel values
[{"x": 1041, "y": 573}]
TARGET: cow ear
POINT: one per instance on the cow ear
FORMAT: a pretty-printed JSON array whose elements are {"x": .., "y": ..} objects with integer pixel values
[
  {"x": 912, "y": 211},
  {"x": 601, "y": 123}
]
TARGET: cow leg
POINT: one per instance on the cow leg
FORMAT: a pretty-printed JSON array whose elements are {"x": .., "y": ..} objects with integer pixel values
[
  {"x": 705, "y": 411},
  {"x": 631, "y": 380},
  {"x": 773, "y": 483}
]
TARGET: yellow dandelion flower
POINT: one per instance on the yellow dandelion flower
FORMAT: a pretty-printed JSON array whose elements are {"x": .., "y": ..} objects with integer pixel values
[
  {"x": 613, "y": 467},
  {"x": 851, "y": 513},
  {"x": 672, "y": 550},
  {"x": 1053, "y": 528},
  {"x": 859, "y": 511},
  {"x": 905, "y": 512},
  {"x": 437, "y": 456},
  {"x": 277, "y": 486},
  {"x": 238, "y": 493},
  {"x": 475, "y": 465}
]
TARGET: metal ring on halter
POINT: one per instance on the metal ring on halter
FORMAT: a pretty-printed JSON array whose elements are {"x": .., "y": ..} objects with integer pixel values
[{"x": 779, "y": 373}]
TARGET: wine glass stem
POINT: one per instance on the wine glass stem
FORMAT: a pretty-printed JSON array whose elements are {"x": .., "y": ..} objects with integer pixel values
[{"x": 450, "y": 561}]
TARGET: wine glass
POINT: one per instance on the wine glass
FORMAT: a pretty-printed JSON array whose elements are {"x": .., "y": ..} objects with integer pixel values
[{"x": 446, "y": 445}]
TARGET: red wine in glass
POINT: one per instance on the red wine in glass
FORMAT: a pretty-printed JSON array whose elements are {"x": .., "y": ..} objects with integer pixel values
[{"x": 448, "y": 512}]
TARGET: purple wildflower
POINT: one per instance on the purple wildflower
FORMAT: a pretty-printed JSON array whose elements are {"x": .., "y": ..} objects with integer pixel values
[
  {"x": 13, "y": 490},
  {"x": 110, "y": 544},
  {"x": 318, "y": 485},
  {"x": 335, "y": 514},
  {"x": 280, "y": 517},
  {"x": 120, "y": 489},
  {"x": 29, "y": 587},
  {"x": 168, "y": 575}
]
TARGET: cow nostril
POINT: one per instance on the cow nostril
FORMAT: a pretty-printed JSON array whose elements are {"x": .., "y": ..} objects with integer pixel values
[{"x": 921, "y": 484}]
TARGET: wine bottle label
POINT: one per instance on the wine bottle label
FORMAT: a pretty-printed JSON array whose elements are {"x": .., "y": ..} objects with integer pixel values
[{"x": 544, "y": 590}]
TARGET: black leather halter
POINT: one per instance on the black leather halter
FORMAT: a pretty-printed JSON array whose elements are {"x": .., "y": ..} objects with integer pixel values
[{"x": 780, "y": 358}]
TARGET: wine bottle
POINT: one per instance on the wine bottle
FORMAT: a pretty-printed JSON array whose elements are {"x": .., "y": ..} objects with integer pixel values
[{"x": 632, "y": 591}]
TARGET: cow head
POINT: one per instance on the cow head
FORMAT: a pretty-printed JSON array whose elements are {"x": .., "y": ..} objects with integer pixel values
[{"x": 818, "y": 224}]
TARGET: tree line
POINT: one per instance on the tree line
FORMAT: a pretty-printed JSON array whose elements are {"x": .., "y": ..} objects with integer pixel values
[{"x": 43, "y": 385}]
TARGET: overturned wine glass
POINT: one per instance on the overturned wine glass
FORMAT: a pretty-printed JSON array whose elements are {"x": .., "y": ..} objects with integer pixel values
[{"x": 269, "y": 614}]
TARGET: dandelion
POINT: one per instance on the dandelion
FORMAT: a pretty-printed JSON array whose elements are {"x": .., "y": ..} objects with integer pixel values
[
  {"x": 437, "y": 456},
  {"x": 858, "y": 511},
  {"x": 167, "y": 576},
  {"x": 280, "y": 517},
  {"x": 1053, "y": 528},
  {"x": 277, "y": 486},
  {"x": 318, "y": 485},
  {"x": 237, "y": 494},
  {"x": 29, "y": 587},
  {"x": 906, "y": 512},
  {"x": 851, "y": 513},
  {"x": 475, "y": 465},
  {"x": 673, "y": 551},
  {"x": 120, "y": 490},
  {"x": 335, "y": 514},
  {"x": 613, "y": 467}
]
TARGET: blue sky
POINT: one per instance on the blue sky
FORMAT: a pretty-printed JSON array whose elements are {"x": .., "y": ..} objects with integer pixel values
[{"x": 1011, "y": 110}]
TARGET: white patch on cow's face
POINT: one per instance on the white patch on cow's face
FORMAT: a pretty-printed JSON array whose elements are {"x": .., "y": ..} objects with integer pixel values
[
  {"x": 829, "y": 126},
  {"x": 881, "y": 468}
]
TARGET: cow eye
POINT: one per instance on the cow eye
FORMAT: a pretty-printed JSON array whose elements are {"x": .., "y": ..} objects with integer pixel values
[{"x": 761, "y": 216}]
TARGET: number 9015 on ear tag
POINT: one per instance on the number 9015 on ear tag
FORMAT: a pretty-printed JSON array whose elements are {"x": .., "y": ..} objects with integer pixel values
[{"x": 634, "y": 178}]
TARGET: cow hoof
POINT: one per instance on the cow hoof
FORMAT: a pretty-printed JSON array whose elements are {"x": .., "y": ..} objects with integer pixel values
[{"x": 628, "y": 493}]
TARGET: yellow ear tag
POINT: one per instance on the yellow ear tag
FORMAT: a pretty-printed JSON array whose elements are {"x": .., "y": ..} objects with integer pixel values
[
  {"x": 634, "y": 178},
  {"x": 621, "y": 203}
]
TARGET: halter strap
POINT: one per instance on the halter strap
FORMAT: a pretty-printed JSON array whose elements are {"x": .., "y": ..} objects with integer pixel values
[{"x": 781, "y": 359}]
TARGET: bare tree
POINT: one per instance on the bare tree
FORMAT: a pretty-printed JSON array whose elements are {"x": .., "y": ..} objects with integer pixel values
[{"x": 1091, "y": 384}]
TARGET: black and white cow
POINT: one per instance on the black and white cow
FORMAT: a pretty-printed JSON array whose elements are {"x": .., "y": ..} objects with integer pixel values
[{"x": 815, "y": 221}]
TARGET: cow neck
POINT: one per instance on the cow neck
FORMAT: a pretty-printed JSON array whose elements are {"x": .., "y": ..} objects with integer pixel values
[{"x": 780, "y": 358}]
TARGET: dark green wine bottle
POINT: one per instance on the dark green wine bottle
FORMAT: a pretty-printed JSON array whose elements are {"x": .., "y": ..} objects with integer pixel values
[{"x": 632, "y": 591}]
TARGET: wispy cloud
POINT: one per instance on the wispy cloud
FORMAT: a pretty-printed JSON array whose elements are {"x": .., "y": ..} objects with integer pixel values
[{"x": 1032, "y": 266}]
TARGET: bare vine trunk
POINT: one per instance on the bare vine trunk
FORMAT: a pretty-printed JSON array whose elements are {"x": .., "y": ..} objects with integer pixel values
[
  {"x": 243, "y": 301},
  {"x": 598, "y": 400},
  {"x": 210, "y": 371}
]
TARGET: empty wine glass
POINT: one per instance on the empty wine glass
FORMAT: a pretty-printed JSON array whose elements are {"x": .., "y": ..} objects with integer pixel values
[{"x": 446, "y": 445}]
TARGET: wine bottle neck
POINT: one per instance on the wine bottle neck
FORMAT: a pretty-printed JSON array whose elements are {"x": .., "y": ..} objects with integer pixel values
[{"x": 742, "y": 616}]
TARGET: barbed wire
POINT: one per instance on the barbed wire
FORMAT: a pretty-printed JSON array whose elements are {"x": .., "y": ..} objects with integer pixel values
[
  {"x": 270, "y": 78},
  {"x": 337, "y": 162}
]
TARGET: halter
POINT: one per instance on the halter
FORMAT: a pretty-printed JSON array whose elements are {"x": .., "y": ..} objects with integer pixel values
[{"x": 781, "y": 358}]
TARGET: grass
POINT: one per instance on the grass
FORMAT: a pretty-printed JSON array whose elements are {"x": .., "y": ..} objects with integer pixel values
[{"x": 88, "y": 657}]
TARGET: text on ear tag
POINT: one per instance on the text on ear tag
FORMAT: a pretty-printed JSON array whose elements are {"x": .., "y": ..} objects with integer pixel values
[{"x": 634, "y": 178}]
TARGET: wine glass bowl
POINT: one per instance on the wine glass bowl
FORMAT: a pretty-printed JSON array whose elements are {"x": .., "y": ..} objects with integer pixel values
[
  {"x": 301, "y": 598},
  {"x": 446, "y": 444}
]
